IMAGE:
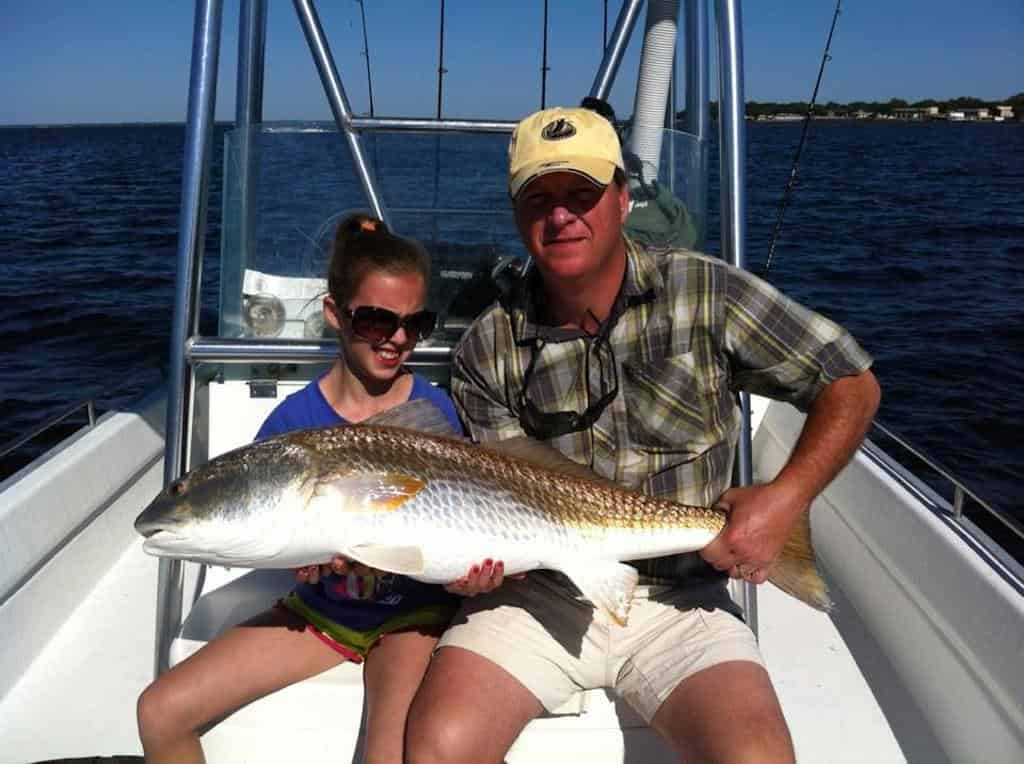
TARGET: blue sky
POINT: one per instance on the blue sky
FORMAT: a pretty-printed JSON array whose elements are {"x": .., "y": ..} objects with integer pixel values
[{"x": 117, "y": 61}]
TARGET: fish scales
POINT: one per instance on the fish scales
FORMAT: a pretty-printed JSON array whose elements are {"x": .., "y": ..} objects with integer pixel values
[{"x": 573, "y": 501}]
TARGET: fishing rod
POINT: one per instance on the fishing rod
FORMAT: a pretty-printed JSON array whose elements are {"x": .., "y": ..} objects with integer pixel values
[
  {"x": 544, "y": 61},
  {"x": 604, "y": 37},
  {"x": 366, "y": 55},
  {"x": 795, "y": 169},
  {"x": 441, "y": 71}
]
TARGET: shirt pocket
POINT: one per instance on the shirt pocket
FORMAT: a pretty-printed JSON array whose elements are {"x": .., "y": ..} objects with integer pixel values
[{"x": 671, "y": 403}]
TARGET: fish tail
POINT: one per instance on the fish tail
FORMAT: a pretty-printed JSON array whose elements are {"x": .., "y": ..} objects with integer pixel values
[{"x": 796, "y": 570}]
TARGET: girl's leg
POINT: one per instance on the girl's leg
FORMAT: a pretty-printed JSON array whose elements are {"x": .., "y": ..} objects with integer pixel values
[
  {"x": 232, "y": 670},
  {"x": 391, "y": 676}
]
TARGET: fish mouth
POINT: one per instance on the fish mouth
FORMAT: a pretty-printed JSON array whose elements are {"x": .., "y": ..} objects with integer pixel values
[
  {"x": 160, "y": 542},
  {"x": 160, "y": 516},
  {"x": 149, "y": 528},
  {"x": 147, "y": 531}
]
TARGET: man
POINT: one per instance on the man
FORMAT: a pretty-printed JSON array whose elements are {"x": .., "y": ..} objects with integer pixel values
[{"x": 628, "y": 361}]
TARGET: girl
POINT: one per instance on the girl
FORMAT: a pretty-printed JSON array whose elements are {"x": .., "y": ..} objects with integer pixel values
[{"x": 377, "y": 286}]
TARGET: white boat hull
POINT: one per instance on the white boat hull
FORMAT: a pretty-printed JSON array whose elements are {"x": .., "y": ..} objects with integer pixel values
[{"x": 920, "y": 662}]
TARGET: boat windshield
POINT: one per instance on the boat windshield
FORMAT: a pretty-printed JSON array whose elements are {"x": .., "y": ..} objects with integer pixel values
[{"x": 287, "y": 186}]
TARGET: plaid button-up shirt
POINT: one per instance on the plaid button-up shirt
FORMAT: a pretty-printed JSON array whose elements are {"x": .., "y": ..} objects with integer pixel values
[{"x": 689, "y": 331}]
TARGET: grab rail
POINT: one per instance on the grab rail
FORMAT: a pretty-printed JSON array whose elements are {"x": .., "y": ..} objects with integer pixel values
[
  {"x": 246, "y": 350},
  {"x": 960, "y": 490},
  {"x": 89, "y": 405}
]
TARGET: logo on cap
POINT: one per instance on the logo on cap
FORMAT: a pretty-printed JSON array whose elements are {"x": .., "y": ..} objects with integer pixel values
[{"x": 557, "y": 130}]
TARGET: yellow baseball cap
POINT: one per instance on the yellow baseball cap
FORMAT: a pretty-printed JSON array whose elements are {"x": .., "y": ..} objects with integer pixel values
[{"x": 563, "y": 140}]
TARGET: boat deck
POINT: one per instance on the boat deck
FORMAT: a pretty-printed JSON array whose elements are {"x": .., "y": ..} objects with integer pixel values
[{"x": 87, "y": 679}]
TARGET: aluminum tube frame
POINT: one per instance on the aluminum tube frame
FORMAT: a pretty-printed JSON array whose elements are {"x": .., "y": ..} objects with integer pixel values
[
  {"x": 670, "y": 115},
  {"x": 732, "y": 161},
  {"x": 338, "y": 101},
  {"x": 252, "y": 41},
  {"x": 413, "y": 124},
  {"x": 698, "y": 115},
  {"x": 615, "y": 49},
  {"x": 233, "y": 351},
  {"x": 202, "y": 96}
]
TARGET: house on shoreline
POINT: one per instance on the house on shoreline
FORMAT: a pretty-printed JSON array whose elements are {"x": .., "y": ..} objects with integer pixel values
[{"x": 917, "y": 112}]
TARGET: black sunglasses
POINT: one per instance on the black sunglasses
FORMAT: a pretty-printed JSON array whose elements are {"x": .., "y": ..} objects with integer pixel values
[
  {"x": 553, "y": 424},
  {"x": 376, "y": 325}
]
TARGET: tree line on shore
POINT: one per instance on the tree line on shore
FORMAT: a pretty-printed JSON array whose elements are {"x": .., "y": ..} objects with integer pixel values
[{"x": 756, "y": 109}]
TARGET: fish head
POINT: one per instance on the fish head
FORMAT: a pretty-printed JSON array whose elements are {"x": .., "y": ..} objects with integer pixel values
[{"x": 238, "y": 509}]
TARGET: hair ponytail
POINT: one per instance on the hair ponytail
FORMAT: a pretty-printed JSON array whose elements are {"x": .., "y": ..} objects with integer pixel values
[{"x": 363, "y": 244}]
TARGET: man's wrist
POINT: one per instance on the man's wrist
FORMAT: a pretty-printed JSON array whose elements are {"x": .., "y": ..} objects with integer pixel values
[{"x": 791, "y": 494}]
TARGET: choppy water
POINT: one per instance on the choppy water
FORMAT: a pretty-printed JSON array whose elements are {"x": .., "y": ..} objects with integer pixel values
[{"x": 910, "y": 235}]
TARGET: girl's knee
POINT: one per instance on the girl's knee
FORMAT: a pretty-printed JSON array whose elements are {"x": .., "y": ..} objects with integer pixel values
[{"x": 162, "y": 713}]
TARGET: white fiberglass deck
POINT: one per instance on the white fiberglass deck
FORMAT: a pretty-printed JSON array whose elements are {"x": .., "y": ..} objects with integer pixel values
[{"x": 78, "y": 698}]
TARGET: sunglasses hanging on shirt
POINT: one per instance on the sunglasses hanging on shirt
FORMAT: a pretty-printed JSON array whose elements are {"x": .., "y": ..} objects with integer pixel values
[{"x": 544, "y": 425}]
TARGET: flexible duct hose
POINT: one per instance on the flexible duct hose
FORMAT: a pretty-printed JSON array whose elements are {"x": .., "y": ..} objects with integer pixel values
[{"x": 653, "y": 83}]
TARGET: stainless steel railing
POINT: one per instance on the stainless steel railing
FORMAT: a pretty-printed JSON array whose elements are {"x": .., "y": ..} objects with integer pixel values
[
  {"x": 961, "y": 492},
  {"x": 90, "y": 408}
]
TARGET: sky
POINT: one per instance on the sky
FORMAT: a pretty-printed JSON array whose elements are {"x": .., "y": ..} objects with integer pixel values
[{"x": 105, "y": 61}]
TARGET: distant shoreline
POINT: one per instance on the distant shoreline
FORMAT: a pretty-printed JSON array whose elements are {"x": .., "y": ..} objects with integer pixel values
[
  {"x": 886, "y": 121},
  {"x": 330, "y": 123}
]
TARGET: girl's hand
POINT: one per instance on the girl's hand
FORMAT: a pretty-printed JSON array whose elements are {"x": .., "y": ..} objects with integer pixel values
[
  {"x": 339, "y": 566},
  {"x": 480, "y": 579}
]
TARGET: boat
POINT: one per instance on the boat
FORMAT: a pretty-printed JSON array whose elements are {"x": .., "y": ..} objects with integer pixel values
[{"x": 922, "y": 659}]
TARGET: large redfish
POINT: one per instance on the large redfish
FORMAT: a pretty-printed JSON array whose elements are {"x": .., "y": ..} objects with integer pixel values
[{"x": 429, "y": 506}]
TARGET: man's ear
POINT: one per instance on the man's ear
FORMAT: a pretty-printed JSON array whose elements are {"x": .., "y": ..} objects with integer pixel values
[{"x": 623, "y": 203}]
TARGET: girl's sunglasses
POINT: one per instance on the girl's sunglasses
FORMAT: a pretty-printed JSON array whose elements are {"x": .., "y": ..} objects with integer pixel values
[{"x": 376, "y": 325}]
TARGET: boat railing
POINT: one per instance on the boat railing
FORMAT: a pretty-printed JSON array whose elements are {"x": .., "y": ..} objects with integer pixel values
[
  {"x": 88, "y": 404},
  {"x": 961, "y": 491},
  {"x": 396, "y": 124},
  {"x": 219, "y": 350}
]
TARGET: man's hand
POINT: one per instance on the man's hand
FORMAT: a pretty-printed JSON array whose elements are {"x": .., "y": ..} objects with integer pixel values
[
  {"x": 760, "y": 520},
  {"x": 762, "y": 516},
  {"x": 339, "y": 566},
  {"x": 481, "y": 578}
]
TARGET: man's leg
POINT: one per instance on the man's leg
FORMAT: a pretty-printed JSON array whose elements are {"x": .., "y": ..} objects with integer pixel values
[
  {"x": 694, "y": 672},
  {"x": 726, "y": 713},
  {"x": 507, "y": 656},
  {"x": 468, "y": 709}
]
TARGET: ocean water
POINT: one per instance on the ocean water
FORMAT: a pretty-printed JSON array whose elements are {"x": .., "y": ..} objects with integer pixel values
[{"x": 911, "y": 235}]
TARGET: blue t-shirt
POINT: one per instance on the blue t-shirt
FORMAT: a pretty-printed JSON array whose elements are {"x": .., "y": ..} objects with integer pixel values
[
  {"x": 359, "y": 603},
  {"x": 308, "y": 408}
]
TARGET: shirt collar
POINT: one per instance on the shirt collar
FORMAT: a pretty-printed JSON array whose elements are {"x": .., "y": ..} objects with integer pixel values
[{"x": 641, "y": 283}]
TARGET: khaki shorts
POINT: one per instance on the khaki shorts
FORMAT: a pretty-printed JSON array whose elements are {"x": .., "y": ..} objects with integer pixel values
[{"x": 541, "y": 632}]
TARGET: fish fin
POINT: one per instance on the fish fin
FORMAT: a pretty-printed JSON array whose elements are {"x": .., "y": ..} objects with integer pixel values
[
  {"x": 420, "y": 414},
  {"x": 796, "y": 570},
  {"x": 608, "y": 584},
  {"x": 541, "y": 454},
  {"x": 381, "y": 491},
  {"x": 407, "y": 560}
]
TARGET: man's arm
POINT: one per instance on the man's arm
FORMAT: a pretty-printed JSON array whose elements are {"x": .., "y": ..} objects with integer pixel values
[{"x": 762, "y": 516}]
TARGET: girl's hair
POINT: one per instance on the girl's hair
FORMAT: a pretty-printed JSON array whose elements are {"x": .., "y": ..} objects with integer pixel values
[{"x": 363, "y": 244}]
